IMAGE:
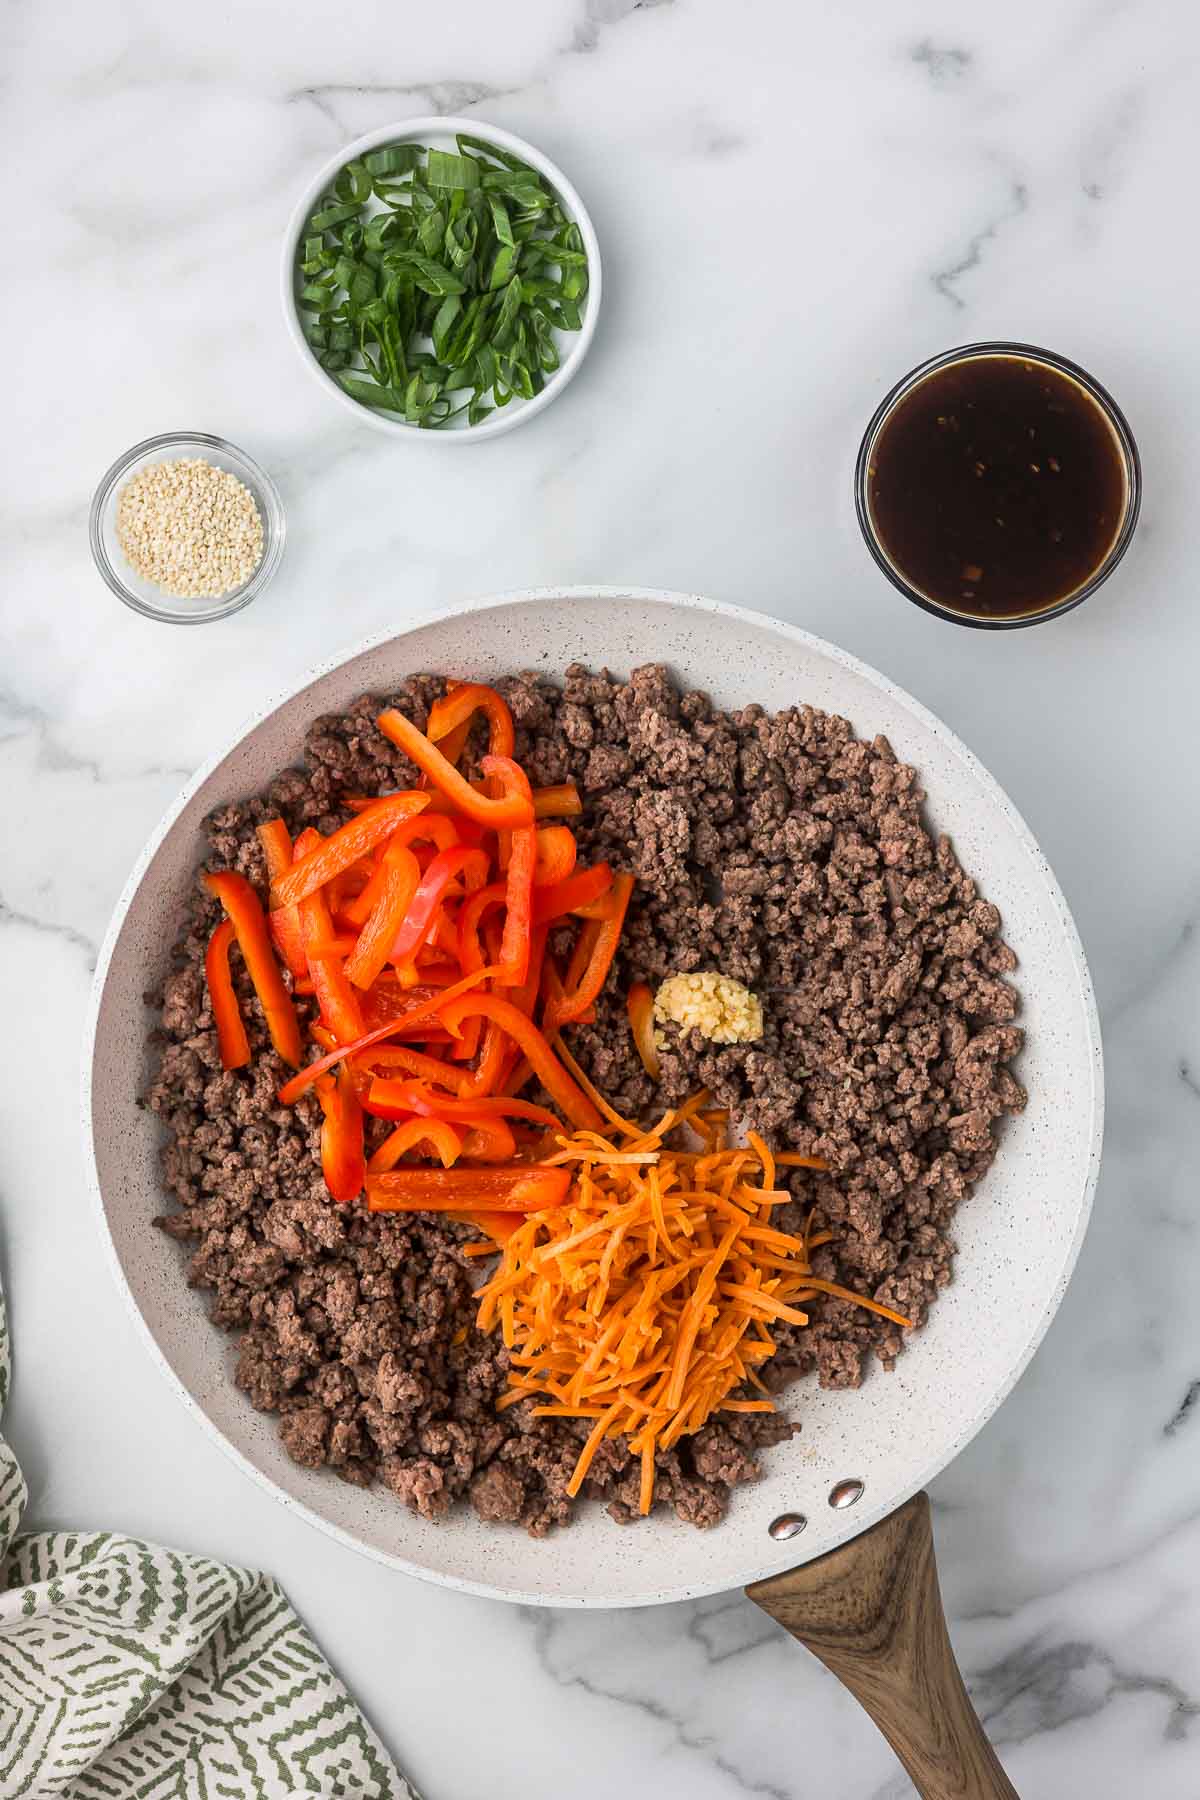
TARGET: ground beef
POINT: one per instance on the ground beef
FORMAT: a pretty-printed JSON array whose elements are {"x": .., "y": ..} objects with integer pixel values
[{"x": 778, "y": 849}]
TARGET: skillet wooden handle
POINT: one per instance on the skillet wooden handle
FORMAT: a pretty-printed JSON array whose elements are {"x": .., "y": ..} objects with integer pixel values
[{"x": 872, "y": 1612}]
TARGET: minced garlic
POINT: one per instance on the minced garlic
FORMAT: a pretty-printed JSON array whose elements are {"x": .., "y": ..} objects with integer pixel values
[{"x": 715, "y": 1005}]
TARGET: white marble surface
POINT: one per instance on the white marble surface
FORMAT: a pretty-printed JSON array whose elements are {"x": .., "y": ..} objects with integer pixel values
[{"x": 796, "y": 203}]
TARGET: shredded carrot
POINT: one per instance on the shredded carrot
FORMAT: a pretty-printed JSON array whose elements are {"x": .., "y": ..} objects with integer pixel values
[
  {"x": 593, "y": 1093},
  {"x": 764, "y": 1156},
  {"x": 844, "y": 1293},
  {"x": 642, "y": 1303}
]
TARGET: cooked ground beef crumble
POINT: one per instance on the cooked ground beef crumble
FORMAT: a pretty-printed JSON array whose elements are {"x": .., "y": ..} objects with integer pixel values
[{"x": 778, "y": 849}]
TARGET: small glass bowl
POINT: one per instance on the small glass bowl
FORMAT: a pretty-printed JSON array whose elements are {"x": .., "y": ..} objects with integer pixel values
[
  {"x": 1118, "y": 424},
  {"x": 144, "y": 596}
]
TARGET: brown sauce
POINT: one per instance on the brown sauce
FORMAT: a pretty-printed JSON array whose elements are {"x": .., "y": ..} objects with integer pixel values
[{"x": 997, "y": 486}]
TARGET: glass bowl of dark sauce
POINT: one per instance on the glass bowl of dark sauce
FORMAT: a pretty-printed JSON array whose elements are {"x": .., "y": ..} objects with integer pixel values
[{"x": 998, "y": 485}]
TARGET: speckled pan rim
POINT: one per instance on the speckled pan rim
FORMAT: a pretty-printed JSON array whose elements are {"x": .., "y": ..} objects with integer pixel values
[{"x": 759, "y": 1564}]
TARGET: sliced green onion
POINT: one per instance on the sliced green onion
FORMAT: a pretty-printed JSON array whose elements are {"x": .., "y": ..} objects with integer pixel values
[
  {"x": 449, "y": 171},
  {"x": 425, "y": 274}
]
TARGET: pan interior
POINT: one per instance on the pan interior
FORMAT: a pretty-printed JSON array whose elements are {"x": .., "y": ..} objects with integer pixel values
[{"x": 1017, "y": 1236}]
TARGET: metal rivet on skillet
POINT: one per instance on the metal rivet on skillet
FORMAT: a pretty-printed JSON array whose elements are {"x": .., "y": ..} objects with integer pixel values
[
  {"x": 787, "y": 1525},
  {"x": 845, "y": 1493}
]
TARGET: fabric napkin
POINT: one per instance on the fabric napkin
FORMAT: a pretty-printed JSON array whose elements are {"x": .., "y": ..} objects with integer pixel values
[{"x": 129, "y": 1672}]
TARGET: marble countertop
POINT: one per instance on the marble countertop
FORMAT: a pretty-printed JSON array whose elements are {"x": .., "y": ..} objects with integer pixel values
[{"x": 796, "y": 203}]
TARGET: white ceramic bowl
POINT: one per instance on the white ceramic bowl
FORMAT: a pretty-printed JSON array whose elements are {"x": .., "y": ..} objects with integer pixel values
[
  {"x": 1018, "y": 1236},
  {"x": 440, "y": 133}
]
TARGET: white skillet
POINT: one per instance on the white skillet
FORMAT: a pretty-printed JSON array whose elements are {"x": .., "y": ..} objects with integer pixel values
[{"x": 1018, "y": 1236}]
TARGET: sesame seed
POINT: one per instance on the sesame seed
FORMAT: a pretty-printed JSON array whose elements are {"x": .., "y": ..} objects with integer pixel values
[{"x": 191, "y": 529}]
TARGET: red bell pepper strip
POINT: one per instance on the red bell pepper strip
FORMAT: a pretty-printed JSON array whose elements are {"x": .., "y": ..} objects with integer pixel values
[
  {"x": 470, "y": 951},
  {"x": 514, "y": 807},
  {"x": 431, "y": 971},
  {"x": 420, "y": 1098},
  {"x": 488, "y": 1072},
  {"x": 359, "y": 910},
  {"x": 518, "y": 906},
  {"x": 348, "y": 843},
  {"x": 445, "y": 1141},
  {"x": 455, "y": 742},
  {"x": 288, "y": 940},
  {"x": 388, "y": 1000},
  {"x": 458, "y": 708},
  {"x": 466, "y": 1048},
  {"x": 493, "y": 937},
  {"x": 568, "y": 896},
  {"x": 521, "y": 1076},
  {"x": 284, "y": 921},
  {"x": 342, "y": 889},
  {"x": 443, "y": 938},
  {"x": 488, "y": 1139},
  {"x": 551, "y": 986},
  {"x": 241, "y": 903},
  {"x": 525, "y": 996},
  {"x": 339, "y": 943},
  {"x": 581, "y": 956},
  {"x": 524, "y": 1188},
  {"x": 342, "y": 1160},
  {"x": 515, "y": 785},
  {"x": 560, "y": 802},
  {"x": 604, "y": 935},
  {"x": 308, "y": 840},
  {"x": 552, "y": 993},
  {"x": 595, "y": 909},
  {"x": 335, "y": 996},
  {"x": 497, "y": 1226},
  {"x": 640, "y": 1007},
  {"x": 571, "y": 1099},
  {"x": 385, "y": 1097},
  {"x": 547, "y": 803},
  {"x": 299, "y": 1084},
  {"x": 468, "y": 831},
  {"x": 232, "y": 1041},
  {"x": 421, "y": 915},
  {"x": 429, "y": 828},
  {"x": 401, "y": 881},
  {"x": 414, "y": 1063},
  {"x": 432, "y": 1036},
  {"x": 276, "y": 841},
  {"x": 556, "y": 854}
]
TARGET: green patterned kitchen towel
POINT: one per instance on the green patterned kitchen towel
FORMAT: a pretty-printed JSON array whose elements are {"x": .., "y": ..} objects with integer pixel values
[{"x": 133, "y": 1673}]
